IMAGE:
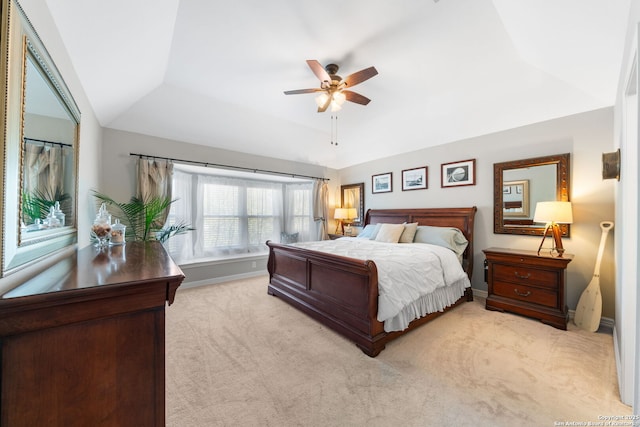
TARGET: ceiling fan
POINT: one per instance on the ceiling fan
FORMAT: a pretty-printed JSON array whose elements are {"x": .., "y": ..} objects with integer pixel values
[{"x": 333, "y": 88}]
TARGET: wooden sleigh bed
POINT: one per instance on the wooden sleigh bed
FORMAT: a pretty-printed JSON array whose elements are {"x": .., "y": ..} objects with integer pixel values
[{"x": 342, "y": 292}]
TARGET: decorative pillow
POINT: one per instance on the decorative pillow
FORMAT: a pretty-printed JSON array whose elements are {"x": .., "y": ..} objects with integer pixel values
[
  {"x": 448, "y": 237},
  {"x": 288, "y": 238},
  {"x": 370, "y": 231},
  {"x": 408, "y": 233},
  {"x": 390, "y": 233}
]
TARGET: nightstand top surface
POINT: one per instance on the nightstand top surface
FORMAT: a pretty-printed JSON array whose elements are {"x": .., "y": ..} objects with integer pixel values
[{"x": 545, "y": 253}]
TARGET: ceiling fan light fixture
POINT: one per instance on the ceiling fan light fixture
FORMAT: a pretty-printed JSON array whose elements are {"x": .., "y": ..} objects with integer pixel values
[
  {"x": 339, "y": 98},
  {"x": 321, "y": 99},
  {"x": 332, "y": 85}
]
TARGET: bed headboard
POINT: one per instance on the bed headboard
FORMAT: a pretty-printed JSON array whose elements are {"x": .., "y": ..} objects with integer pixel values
[{"x": 460, "y": 218}]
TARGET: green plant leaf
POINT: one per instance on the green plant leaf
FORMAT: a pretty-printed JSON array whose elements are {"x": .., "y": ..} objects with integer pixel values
[{"x": 142, "y": 217}]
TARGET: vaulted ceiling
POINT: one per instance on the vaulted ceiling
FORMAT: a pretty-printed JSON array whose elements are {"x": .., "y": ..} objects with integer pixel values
[{"x": 213, "y": 72}]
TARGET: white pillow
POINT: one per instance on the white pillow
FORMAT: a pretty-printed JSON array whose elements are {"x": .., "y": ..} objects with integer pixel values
[
  {"x": 408, "y": 233},
  {"x": 447, "y": 237},
  {"x": 390, "y": 233}
]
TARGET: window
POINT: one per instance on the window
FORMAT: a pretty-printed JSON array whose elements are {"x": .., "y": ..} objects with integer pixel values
[
  {"x": 235, "y": 214},
  {"x": 299, "y": 210}
]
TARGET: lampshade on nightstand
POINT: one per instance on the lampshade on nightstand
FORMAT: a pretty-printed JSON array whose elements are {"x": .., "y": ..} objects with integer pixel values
[
  {"x": 344, "y": 215},
  {"x": 553, "y": 213},
  {"x": 339, "y": 215}
]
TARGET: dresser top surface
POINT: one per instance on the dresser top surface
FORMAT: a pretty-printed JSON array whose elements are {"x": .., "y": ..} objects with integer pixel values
[{"x": 93, "y": 267}]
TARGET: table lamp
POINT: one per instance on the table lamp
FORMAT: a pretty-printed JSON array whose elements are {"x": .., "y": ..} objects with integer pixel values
[
  {"x": 340, "y": 214},
  {"x": 553, "y": 213}
]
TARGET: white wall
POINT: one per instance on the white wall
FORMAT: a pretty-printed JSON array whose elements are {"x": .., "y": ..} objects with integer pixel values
[
  {"x": 627, "y": 333},
  {"x": 586, "y": 136}
]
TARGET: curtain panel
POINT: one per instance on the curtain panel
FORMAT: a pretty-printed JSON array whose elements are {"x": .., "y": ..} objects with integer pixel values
[{"x": 155, "y": 180}]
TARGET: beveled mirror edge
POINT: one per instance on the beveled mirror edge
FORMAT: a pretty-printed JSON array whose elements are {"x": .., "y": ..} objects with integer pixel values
[
  {"x": 563, "y": 190},
  {"x": 17, "y": 34},
  {"x": 360, "y": 186}
]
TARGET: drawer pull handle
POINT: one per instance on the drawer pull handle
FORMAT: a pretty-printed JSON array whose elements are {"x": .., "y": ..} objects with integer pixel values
[
  {"x": 519, "y": 276},
  {"x": 522, "y": 294}
]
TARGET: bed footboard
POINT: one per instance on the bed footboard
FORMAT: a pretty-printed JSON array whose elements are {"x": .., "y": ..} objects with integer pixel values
[{"x": 340, "y": 292}]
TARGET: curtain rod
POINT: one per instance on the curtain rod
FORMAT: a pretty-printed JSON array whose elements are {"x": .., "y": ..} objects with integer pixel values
[
  {"x": 207, "y": 164},
  {"x": 62, "y": 144}
]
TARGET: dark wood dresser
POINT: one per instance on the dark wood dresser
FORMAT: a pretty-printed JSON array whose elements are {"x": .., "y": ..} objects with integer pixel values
[
  {"x": 526, "y": 283},
  {"x": 83, "y": 342}
]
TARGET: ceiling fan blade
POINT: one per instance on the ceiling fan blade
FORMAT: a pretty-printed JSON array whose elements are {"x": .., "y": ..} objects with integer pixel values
[
  {"x": 356, "y": 97},
  {"x": 299, "y": 91},
  {"x": 359, "y": 76},
  {"x": 323, "y": 108},
  {"x": 318, "y": 70}
]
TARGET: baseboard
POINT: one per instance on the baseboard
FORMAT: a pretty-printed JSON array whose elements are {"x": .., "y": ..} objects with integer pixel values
[
  {"x": 216, "y": 280},
  {"x": 479, "y": 293},
  {"x": 606, "y": 324}
]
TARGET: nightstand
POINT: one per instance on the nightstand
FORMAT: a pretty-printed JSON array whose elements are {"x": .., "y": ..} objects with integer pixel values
[
  {"x": 529, "y": 284},
  {"x": 335, "y": 236}
]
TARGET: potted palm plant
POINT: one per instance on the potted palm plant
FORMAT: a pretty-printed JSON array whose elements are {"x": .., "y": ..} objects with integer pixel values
[{"x": 142, "y": 217}]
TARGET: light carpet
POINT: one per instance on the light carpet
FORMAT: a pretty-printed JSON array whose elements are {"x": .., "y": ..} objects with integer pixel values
[{"x": 239, "y": 357}]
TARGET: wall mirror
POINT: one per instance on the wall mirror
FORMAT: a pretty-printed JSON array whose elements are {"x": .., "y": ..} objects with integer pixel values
[
  {"x": 352, "y": 196},
  {"x": 520, "y": 184},
  {"x": 41, "y": 147}
]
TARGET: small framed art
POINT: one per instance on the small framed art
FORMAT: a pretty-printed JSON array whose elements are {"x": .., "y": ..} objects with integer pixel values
[
  {"x": 381, "y": 183},
  {"x": 414, "y": 179},
  {"x": 456, "y": 174}
]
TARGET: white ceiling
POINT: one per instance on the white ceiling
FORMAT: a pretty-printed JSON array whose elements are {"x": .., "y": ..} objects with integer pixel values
[{"x": 213, "y": 72}]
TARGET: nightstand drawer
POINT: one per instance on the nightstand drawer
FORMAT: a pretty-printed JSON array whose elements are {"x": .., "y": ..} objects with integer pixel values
[
  {"x": 525, "y": 276},
  {"x": 526, "y": 293}
]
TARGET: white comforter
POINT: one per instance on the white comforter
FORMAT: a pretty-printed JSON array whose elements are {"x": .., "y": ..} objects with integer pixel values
[{"x": 408, "y": 275}]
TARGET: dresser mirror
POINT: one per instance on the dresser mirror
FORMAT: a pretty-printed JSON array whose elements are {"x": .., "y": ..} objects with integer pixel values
[
  {"x": 520, "y": 184},
  {"x": 352, "y": 196},
  {"x": 41, "y": 144}
]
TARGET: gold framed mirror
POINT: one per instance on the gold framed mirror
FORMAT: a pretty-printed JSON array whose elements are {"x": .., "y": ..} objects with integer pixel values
[
  {"x": 352, "y": 196},
  {"x": 520, "y": 184},
  {"x": 41, "y": 142}
]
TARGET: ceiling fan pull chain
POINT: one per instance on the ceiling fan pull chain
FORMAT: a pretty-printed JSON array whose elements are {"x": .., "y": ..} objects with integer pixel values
[
  {"x": 334, "y": 130},
  {"x": 331, "y": 129}
]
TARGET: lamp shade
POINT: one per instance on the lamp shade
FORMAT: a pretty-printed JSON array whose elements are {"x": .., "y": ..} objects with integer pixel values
[
  {"x": 352, "y": 213},
  {"x": 340, "y": 213},
  {"x": 553, "y": 211}
]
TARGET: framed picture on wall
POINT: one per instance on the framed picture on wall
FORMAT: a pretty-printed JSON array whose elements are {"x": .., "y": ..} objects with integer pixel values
[
  {"x": 457, "y": 174},
  {"x": 381, "y": 183},
  {"x": 414, "y": 179}
]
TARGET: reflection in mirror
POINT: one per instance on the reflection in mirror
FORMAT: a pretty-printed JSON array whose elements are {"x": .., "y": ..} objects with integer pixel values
[
  {"x": 40, "y": 134},
  {"x": 352, "y": 196},
  {"x": 515, "y": 199},
  {"x": 47, "y": 159},
  {"x": 520, "y": 184}
]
